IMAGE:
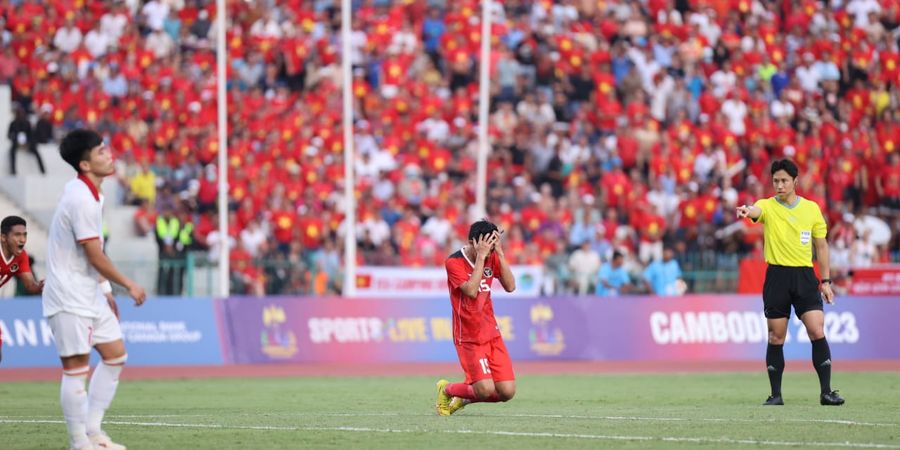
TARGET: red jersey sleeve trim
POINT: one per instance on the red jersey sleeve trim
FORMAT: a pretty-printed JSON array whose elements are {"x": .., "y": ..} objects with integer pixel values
[{"x": 85, "y": 240}]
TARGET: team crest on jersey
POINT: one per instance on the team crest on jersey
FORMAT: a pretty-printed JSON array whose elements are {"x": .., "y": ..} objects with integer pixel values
[
  {"x": 14, "y": 268},
  {"x": 488, "y": 272}
]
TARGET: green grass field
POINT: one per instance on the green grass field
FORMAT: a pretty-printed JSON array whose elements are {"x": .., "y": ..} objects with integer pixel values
[{"x": 560, "y": 411}]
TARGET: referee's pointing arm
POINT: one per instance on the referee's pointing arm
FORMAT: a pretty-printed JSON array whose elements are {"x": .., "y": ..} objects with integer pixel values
[{"x": 751, "y": 211}]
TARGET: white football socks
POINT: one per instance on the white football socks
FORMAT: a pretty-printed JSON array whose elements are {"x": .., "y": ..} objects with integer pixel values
[
  {"x": 102, "y": 390},
  {"x": 74, "y": 399}
]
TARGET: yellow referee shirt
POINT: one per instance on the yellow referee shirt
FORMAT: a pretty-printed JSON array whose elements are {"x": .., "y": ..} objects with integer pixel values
[{"x": 788, "y": 230}]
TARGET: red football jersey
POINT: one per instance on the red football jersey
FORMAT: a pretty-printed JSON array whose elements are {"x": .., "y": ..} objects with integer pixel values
[
  {"x": 12, "y": 267},
  {"x": 473, "y": 318}
]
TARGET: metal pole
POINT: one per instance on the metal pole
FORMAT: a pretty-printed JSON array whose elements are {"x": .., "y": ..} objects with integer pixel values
[
  {"x": 483, "y": 106},
  {"x": 222, "y": 106},
  {"x": 349, "y": 197}
]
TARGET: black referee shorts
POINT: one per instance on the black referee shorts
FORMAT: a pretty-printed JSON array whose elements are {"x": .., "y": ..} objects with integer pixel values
[{"x": 787, "y": 286}]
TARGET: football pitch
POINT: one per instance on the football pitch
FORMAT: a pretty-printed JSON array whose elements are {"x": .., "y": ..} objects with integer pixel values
[{"x": 669, "y": 411}]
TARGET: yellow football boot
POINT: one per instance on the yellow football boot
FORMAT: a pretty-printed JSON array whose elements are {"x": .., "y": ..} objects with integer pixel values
[{"x": 443, "y": 400}]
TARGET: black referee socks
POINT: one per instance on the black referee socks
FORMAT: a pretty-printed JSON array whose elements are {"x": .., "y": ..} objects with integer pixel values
[
  {"x": 821, "y": 358},
  {"x": 775, "y": 366}
]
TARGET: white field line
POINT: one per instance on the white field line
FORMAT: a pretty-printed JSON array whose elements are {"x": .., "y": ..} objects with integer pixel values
[
  {"x": 538, "y": 416},
  {"x": 601, "y": 437}
]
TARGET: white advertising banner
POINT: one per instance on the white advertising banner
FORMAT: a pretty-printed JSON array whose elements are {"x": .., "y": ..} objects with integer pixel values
[{"x": 423, "y": 282}]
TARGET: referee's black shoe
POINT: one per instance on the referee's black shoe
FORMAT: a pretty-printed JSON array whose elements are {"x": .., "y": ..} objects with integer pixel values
[
  {"x": 831, "y": 398},
  {"x": 774, "y": 400}
]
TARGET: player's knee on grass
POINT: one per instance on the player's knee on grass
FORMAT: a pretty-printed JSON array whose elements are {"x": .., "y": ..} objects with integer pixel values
[
  {"x": 484, "y": 391},
  {"x": 506, "y": 392}
]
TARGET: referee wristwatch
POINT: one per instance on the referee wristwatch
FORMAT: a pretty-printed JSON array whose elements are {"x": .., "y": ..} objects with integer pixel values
[{"x": 825, "y": 280}]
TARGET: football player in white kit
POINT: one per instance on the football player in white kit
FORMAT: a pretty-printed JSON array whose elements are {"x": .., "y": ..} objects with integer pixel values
[{"x": 77, "y": 297}]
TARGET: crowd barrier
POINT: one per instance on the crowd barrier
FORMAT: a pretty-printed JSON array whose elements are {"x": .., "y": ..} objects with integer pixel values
[{"x": 179, "y": 331}]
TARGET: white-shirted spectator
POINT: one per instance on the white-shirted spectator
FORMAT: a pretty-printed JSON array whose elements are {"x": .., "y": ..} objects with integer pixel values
[
  {"x": 115, "y": 84},
  {"x": 266, "y": 27},
  {"x": 378, "y": 229},
  {"x": 808, "y": 74},
  {"x": 436, "y": 129},
  {"x": 584, "y": 264},
  {"x": 96, "y": 42},
  {"x": 68, "y": 38},
  {"x": 160, "y": 44},
  {"x": 665, "y": 203},
  {"x": 358, "y": 43},
  {"x": 404, "y": 41},
  {"x": 709, "y": 162},
  {"x": 828, "y": 70},
  {"x": 645, "y": 64},
  {"x": 113, "y": 23},
  {"x": 155, "y": 13},
  {"x": 723, "y": 80},
  {"x": 736, "y": 111},
  {"x": 438, "y": 227},
  {"x": 254, "y": 238},
  {"x": 860, "y": 10},
  {"x": 782, "y": 108},
  {"x": 366, "y": 169},
  {"x": 659, "y": 95}
]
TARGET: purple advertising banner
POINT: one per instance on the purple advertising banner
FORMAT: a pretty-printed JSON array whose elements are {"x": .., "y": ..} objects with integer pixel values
[{"x": 699, "y": 328}]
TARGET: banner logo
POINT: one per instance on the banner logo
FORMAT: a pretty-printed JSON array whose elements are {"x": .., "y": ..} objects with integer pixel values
[
  {"x": 545, "y": 339},
  {"x": 276, "y": 341}
]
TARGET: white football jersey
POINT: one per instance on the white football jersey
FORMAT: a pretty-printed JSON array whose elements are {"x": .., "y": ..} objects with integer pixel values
[{"x": 72, "y": 283}]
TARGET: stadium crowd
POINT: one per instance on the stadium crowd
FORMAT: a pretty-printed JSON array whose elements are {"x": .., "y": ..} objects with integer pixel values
[{"x": 627, "y": 127}]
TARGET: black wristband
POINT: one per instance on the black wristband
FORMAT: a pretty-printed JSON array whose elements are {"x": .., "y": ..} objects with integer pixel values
[{"x": 825, "y": 280}]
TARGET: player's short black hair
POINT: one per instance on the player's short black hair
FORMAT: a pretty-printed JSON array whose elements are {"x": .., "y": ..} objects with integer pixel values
[
  {"x": 9, "y": 222},
  {"x": 617, "y": 254},
  {"x": 787, "y": 166},
  {"x": 481, "y": 228},
  {"x": 77, "y": 145}
]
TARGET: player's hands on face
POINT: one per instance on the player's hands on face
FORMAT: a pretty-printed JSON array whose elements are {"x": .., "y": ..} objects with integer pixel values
[
  {"x": 137, "y": 293},
  {"x": 497, "y": 247},
  {"x": 484, "y": 244},
  {"x": 743, "y": 211},
  {"x": 827, "y": 293}
]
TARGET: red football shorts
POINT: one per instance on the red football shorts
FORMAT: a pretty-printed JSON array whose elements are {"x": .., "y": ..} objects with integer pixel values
[{"x": 489, "y": 360}]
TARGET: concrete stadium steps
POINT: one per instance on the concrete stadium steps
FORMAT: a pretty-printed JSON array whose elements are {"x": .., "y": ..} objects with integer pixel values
[
  {"x": 34, "y": 196},
  {"x": 135, "y": 256}
]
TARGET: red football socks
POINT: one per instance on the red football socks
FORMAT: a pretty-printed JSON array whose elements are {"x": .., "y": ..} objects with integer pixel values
[{"x": 463, "y": 390}]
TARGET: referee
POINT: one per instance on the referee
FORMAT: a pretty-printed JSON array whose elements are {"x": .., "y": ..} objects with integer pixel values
[{"x": 792, "y": 225}]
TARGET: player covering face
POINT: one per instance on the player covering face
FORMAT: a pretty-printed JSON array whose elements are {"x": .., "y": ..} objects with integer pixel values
[{"x": 482, "y": 353}]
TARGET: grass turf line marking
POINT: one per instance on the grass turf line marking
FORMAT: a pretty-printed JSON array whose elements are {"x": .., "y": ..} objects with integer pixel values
[
  {"x": 538, "y": 416},
  {"x": 696, "y": 440},
  {"x": 682, "y": 419}
]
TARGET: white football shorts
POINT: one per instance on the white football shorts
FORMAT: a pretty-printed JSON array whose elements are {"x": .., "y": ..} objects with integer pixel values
[{"x": 76, "y": 335}]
